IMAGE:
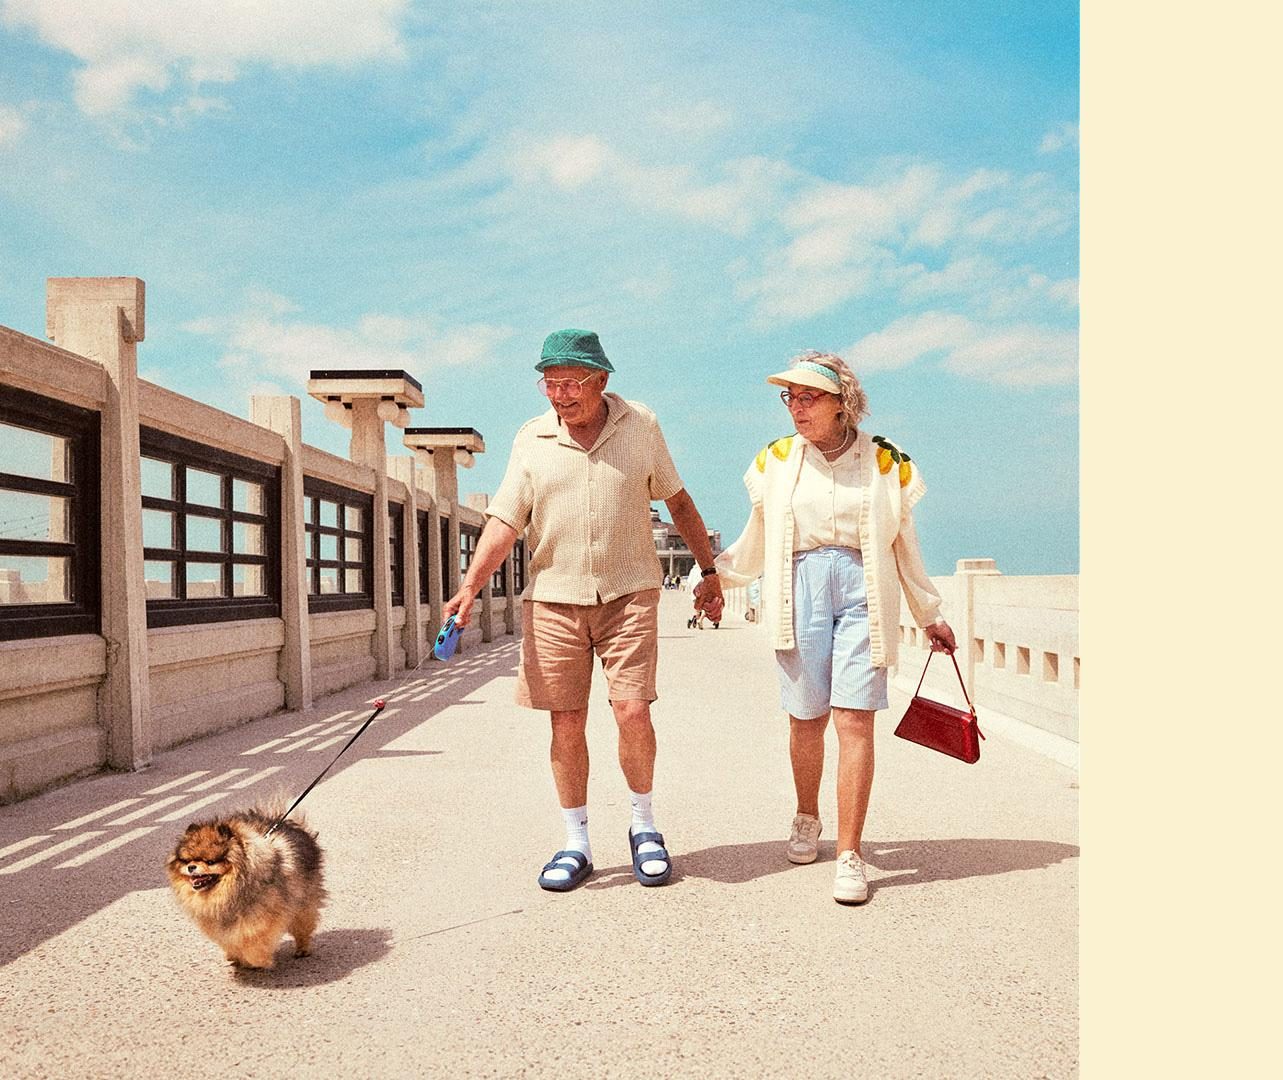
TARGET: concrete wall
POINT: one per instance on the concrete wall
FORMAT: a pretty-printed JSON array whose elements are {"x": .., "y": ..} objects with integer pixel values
[
  {"x": 1018, "y": 647},
  {"x": 75, "y": 704}
]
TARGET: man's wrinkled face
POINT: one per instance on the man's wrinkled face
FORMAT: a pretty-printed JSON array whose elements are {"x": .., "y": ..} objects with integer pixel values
[{"x": 575, "y": 392}]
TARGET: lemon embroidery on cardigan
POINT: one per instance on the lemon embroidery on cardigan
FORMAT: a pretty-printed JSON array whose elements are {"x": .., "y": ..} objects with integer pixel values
[
  {"x": 889, "y": 454},
  {"x": 779, "y": 447}
]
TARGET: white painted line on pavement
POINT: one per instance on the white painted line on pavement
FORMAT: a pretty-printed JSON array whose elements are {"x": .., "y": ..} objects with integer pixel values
[
  {"x": 22, "y": 844},
  {"x": 216, "y": 780},
  {"x": 49, "y": 853},
  {"x": 102, "y": 849},
  {"x": 175, "y": 783},
  {"x": 262, "y": 774},
  {"x": 150, "y": 808},
  {"x": 293, "y": 745},
  {"x": 184, "y": 811},
  {"x": 264, "y": 746},
  {"x": 329, "y": 742},
  {"x": 97, "y": 814}
]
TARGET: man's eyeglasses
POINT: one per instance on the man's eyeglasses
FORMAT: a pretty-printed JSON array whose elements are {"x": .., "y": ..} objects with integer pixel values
[
  {"x": 806, "y": 399},
  {"x": 570, "y": 388}
]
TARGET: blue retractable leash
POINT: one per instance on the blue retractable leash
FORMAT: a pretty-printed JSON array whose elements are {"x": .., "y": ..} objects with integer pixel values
[{"x": 447, "y": 641}]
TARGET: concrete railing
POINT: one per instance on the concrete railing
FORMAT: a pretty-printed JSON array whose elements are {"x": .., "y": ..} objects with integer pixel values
[
  {"x": 1018, "y": 649},
  {"x": 74, "y": 703}
]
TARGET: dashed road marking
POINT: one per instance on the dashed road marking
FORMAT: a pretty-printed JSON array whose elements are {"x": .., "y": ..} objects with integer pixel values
[
  {"x": 262, "y": 774},
  {"x": 103, "y": 848},
  {"x": 49, "y": 852},
  {"x": 176, "y": 783},
  {"x": 150, "y": 808},
  {"x": 213, "y": 782},
  {"x": 87, "y": 818},
  {"x": 184, "y": 811},
  {"x": 22, "y": 845}
]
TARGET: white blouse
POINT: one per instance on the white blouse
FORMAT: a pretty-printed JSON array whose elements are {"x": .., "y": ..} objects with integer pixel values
[{"x": 827, "y": 501}]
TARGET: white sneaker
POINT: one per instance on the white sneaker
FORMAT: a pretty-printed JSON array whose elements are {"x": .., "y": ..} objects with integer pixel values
[
  {"x": 850, "y": 885},
  {"x": 804, "y": 839}
]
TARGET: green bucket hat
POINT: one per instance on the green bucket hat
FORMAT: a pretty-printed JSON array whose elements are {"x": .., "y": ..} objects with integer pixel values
[{"x": 573, "y": 347}]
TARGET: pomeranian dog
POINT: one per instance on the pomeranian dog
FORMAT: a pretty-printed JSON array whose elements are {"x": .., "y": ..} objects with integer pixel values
[{"x": 245, "y": 889}]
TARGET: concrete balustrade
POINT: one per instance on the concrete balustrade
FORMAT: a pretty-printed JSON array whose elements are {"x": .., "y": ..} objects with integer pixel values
[{"x": 76, "y": 703}]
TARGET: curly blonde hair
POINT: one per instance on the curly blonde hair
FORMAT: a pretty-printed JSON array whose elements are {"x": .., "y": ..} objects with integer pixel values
[{"x": 855, "y": 403}]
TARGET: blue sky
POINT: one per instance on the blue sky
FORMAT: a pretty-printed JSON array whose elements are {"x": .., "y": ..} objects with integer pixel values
[{"x": 380, "y": 183}]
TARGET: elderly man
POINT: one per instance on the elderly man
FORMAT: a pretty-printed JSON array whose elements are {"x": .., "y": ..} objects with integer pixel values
[{"x": 580, "y": 482}]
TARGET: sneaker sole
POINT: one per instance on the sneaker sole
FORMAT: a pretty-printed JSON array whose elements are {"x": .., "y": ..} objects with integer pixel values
[{"x": 802, "y": 860}]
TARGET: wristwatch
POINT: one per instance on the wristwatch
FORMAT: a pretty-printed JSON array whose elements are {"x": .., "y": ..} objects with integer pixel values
[{"x": 708, "y": 571}]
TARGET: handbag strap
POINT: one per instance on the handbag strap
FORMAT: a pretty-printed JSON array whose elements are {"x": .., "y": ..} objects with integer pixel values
[{"x": 930, "y": 654}]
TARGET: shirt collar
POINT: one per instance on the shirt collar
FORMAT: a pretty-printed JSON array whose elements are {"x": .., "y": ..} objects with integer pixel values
[{"x": 549, "y": 425}]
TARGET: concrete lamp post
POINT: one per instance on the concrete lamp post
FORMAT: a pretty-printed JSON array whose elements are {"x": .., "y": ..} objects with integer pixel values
[
  {"x": 445, "y": 450},
  {"x": 364, "y": 401}
]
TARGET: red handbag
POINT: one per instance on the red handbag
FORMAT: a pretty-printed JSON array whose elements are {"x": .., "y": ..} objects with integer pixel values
[{"x": 942, "y": 727}]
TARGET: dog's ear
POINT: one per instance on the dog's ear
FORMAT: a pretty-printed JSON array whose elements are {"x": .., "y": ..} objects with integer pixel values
[
  {"x": 224, "y": 832},
  {"x": 191, "y": 828}
]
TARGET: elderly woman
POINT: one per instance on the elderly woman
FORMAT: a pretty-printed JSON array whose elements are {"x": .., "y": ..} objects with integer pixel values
[{"x": 831, "y": 532}]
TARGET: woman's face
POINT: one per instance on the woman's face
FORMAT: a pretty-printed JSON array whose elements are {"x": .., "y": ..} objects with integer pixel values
[{"x": 818, "y": 421}]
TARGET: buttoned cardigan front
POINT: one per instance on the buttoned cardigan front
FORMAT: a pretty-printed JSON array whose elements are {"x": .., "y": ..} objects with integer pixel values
[
  {"x": 888, "y": 542},
  {"x": 586, "y": 513}
]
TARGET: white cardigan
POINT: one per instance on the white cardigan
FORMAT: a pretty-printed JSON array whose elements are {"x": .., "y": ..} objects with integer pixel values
[{"x": 889, "y": 544}]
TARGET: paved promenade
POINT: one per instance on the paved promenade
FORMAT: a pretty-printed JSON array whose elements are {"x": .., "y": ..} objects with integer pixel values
[{"x": 438, "y": 955}]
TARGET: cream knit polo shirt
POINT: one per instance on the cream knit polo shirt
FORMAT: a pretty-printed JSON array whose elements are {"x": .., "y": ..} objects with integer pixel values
[{"x": 586, "y": 513}]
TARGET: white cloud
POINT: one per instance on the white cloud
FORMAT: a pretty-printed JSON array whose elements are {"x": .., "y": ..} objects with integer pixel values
[
  {"x": 746, "y": 191},
  {"x": 12, "y": 124},
  {"x": 1020, "y": 355},
  {"x": 908, "y": 339},
  {"x": 130, "y": 45},
  {"x": 1059, "y": 138},
  {"x": 270, "y": 345}
]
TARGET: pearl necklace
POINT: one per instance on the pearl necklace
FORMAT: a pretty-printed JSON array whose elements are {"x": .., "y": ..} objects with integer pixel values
[{"x": 836, "y": 451}]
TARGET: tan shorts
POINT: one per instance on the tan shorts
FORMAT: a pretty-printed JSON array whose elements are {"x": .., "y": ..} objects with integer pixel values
[{"x": 558, "y": 642}]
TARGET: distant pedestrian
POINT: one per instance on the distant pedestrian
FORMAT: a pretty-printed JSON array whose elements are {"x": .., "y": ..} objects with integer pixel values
[
  {"x": 580, "y": 481},
  {"x": 831, "y": 532}
]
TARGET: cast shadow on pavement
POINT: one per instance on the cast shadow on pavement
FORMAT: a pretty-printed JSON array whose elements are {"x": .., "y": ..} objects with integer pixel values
[
  {"x": 902, "y": 862},
  {"x": 56, "y": 892},
  {"x": 335, "y": 955}
]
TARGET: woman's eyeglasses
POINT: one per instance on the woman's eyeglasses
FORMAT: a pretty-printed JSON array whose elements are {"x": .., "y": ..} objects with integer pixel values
[
  {"x": 570, "y": 388},
  {"x": 806, "y": 399}
]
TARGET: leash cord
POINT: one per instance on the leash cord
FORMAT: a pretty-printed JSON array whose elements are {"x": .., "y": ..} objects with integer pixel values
[
  {"x": 379, "y": 705},
  {"x": 378, "y": 708}
]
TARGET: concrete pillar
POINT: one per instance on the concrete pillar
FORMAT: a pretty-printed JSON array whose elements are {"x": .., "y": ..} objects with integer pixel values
[
  {"x": 965, "y": 634},
  {"x": 367, "y": 448},
  {"x": 446, "y": 486},
  {"x": 432, "y": 541},
  {"x": 102, "y": 319},
  {"x": 402, "y": 468},
  {"x": 282, "y": 415}
]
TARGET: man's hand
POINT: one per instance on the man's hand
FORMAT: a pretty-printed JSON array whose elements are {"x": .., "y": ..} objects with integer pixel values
[
  {"x": 460, "y": 606},
  {"x": 941, "y": 636},
  {"x": 709, "y": 598}
]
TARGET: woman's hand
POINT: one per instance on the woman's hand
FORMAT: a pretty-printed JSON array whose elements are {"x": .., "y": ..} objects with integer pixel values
[
  {"x": 941, "y": 637},
  {"x": 709, "y": 598}
]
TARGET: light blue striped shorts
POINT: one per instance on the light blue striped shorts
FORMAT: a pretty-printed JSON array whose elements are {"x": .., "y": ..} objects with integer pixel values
[{"x": 831, "y": 664}]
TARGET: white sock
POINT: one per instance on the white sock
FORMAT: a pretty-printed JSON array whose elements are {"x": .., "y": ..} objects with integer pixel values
[
  {"x": 576, "y": 840},
  {"x": 643, "y": 822}
]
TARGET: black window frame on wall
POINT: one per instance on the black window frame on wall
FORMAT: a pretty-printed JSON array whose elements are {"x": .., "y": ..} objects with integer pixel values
[
  {"x": 421, "y": 537},
  {"x": 396, "y": 548},
  {"x": 469, "y": 537},
  {"x": 315, "y": 491},
  {"x": 518, "y": 573},
  {"x": 80, "y": 428},
  {"x": 183, "y": 454},
  {"x": 448, "y": 587}
]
